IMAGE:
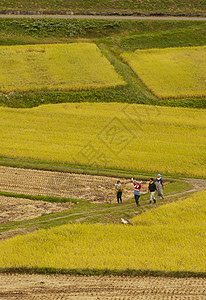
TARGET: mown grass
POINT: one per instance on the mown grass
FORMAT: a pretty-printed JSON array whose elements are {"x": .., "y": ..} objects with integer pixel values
[
  {"x": 181, "y": 6},
  {"x": 171, "y": 72},
  {"x": 138, "y": 137},
  {"x": 174, "y": 242}
]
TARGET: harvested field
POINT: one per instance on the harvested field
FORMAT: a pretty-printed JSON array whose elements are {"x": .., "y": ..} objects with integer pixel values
[
  {"x": 18, "y": 209},
  {"x": 97, "y": 189},
  {"x": 75, "y": 287}
]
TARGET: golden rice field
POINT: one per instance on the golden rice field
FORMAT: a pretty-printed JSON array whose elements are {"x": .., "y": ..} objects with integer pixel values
[
  {"x": 171, "y": 72},
  {"x": 169, "y": 238},
  {"x": 140, "y": 137},
  {"x": 65, "y": 67}
]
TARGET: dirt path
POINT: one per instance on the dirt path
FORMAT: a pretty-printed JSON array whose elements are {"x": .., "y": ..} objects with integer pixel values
[
  {"x": 75, "y": 287},
  {"x": 166, "y": 18},
  {"x": 97, "y": 189}
]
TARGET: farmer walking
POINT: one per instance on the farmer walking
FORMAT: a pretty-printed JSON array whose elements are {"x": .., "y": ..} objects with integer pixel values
[
  {"x": 137, "y": 187},
  {"x": 159, "y": 187},
  {"x": 151, "y": 190},
  {"x": 118, "y": 189}
]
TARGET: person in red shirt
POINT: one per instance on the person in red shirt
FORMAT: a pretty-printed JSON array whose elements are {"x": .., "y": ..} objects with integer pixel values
[{"x": 137, "y": 187}]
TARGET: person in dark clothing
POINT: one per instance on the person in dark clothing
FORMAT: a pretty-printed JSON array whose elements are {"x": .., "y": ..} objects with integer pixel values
[
  {"x": 118, "y": 189},
  {"x": 151, "y": 190}
]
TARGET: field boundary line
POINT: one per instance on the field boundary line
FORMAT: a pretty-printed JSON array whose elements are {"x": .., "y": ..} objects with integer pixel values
[
  {"x": 104, "y": 272},
  {"x": 18, "y": 14}
]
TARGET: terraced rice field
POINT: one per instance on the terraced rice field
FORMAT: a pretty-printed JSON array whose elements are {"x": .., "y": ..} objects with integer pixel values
[
  {"x": 139, "y": 137},
  {"x": 172, "y": 72},
  {"x": 64, "y": 67}
]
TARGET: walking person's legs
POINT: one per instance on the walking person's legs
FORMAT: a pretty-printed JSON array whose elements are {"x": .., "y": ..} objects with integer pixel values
[
  {"x": 160, "y": 194},
  {"x": 152, "y": 197},
  {"x": 117, "y": 197},
  {"x": 120, "y": 197},
  {"x": 137, "y": 199}
]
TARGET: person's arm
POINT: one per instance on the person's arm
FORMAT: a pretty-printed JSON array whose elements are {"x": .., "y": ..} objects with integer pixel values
[
  {"x": 162, "y": 185},
  {"x": 133, "y": 181}
]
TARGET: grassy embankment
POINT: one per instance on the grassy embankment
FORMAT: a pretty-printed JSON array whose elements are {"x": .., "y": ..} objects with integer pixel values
[
  {"x": 122, "y": 6},
  {"x": 88, "y": 134},
  {"x": 168, "y": 240},
  {"x": 113, "y": 38}
]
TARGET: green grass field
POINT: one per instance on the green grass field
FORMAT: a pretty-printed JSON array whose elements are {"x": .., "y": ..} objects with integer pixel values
[
  {"x": 138, "y": 137},
  {"x": 168, "y": 239},
  {"x": 172, "y": 72},
  {"x": 59, "y": 67},
  {"x": 167, "y": 6}
]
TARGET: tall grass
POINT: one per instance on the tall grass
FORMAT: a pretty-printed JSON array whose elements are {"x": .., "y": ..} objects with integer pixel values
[
  {"x": 171, "y": 73},
  {"x": 139, "y": 137},
  {"x": 174, "y": 242},
  {"x": 76, "y": 66}
]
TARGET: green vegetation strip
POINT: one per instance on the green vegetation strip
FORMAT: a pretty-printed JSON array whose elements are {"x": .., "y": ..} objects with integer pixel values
[
  {"x": 171, "y": 241},
  {"x": 27, "y": 163},
  {"x": 115, "y": 6},
  {"x": 104, "y": 272}
]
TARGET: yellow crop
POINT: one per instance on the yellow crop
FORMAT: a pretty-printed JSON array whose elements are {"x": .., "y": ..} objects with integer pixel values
[
  {"x": 175, "y": 241},
  {"x": 172, "y": 72},
  {"x": 141, "y": 137},
  {"x": 65, "y": 67}
]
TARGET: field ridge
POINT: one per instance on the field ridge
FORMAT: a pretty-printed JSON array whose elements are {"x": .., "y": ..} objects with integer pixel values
[{"x": 105, "y": 15}]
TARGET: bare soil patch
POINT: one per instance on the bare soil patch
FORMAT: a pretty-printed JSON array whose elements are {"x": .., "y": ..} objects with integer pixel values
[
  {"x": 18, "y": 209},
  {"x": 76, "y": 287},
  {"x": 97, "y": 189}
]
